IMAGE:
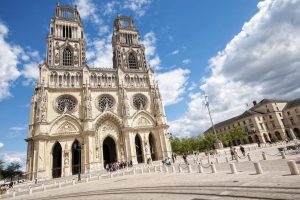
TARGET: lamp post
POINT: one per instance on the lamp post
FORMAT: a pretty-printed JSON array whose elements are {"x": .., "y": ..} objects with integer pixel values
[
  {"x": 218, "y": 144},
  {"x": 79, "y": 147}
]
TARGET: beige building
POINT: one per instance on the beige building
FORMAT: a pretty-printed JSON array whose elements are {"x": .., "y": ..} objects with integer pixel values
[
  {"x": 291, "y": 115},
  {"x": 264, "y": 122},
  {"x": 82, "y": 118}
]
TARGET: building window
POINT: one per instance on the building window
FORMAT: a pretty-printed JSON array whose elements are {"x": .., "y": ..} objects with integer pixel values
[
  {"x": 288, "y": 113},
  {"x": 273, "y": 124},
  {"x": 277, "y": 108},
  {"x": 280, "y": 114},
  {"x": 266, "y": 124},
  {"x": 139, "y": 101},
  {"x": 261, "y": 126},
  {"x": 105, "y": 102},
  {"x": 292, "y": 121},
  {"x": 268, "y": 110},
  {"x": 66, "y": 103},
  {"x": 270, "y": 116},
  {"x": 132, "y": 63},
  {"x": 67, "y": 57}
]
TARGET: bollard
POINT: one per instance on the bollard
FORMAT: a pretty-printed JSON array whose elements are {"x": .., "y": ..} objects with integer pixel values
[
  {"x": 73, "y": 181},
  {"x": 200, "y": 168},
  {"x": 264, "y": 156},
  {"x": 179, "y": 169},
  {"x": 134, "y": 171},
  {"x": 99, "y": 177},
  {"x": 123, "y": 173},
  {"x": 249, "y": 157},
  {"x": 282, "y": 154},
  {"x": 173, "y": 169},
  {"x": 87, "y": 179},
  {"x": 217, "y": 160},
  {"x": 43, "y": 186},
  {"x": 258, "y": 168},
  {"x": 227, "y": 160},
  {"x": 166, "y": 168},
  {"x": 30, "y": 190},
  {"x": 142, "y": 171},
  {"x": 59, "y": 185},
  {"x": 154, "y": 168},
  {"x": 213, "y": 168},
  {"x": 293, "y": 167},
  {"x": 149, "y": 170},
  {"x": 190, "y": 169},
  {"x": 233, "y": 168},
  {"x": 111, "y": 174},
  {"x": 90, "y": 176},
  {"x": 160, "y": 169},
  {"x": 14, "y": 194}
]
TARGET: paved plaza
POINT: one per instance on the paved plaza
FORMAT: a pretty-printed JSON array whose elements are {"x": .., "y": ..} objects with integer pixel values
[{"x": 276, "y": 182}]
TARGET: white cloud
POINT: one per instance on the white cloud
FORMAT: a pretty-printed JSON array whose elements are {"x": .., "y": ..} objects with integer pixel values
[
  {"x": 186, "y": 61},
  {"x": 149, "y": 42},
  {"x": 110, "y": 8},
  {"x": 262, "y": 61},
  {"x": 88, "y": 11},
  {"x": 100, "y": 53},
  {"x": 175, "y": 52},
  {"x": 9, "y": 59},
  {"x": 137, "y": 6},
  {"x": 172, "y": 85},
  {"x": 1, "y": 145},
  {"x": 9, "y": 157}
]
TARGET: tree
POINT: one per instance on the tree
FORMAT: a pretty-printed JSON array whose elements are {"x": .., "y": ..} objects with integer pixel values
[
  {"x": 226, "y": 138},
  {"x": 12, "y": 170},
  {"x": 237, "y": 133},
  {"x": 209, "y": 140},
  {"x": 1, "y": 169}
]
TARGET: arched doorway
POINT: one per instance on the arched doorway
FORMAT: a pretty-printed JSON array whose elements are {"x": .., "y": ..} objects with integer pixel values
[
  {"x": 278, "y": 135},
  {"x": 56, "y": 164},
  {"x": 250, "y": 139},
  {"x": 270, "y": 136},
  {"x": 297, "y": 132},
  {"x": 76, "y": 157},
  {"x": 109, "y": 151},
  {"x": 266, "y": 138},
  {"x": 152, "y": 147},
  {"x": 138, "y": 149}
]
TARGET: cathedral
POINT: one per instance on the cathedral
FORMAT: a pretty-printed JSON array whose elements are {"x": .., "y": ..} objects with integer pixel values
[{"x": 81, "y": 117}]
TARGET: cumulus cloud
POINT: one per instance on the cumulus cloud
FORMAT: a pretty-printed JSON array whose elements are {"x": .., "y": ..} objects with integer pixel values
[
  {"x": 149, "y": 42},
  {"x": 9, "y": 59},
  {"x": 100, "y": 53},
  {"x": 261, "y": 61},
  {"x": 1, "y": 145},
  {"x": 139, "y": 7},
  {"x": 172, "y": 91},
  {"x": 9, "y": 157}
]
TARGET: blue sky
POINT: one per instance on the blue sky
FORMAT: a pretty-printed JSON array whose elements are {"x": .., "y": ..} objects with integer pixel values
[{"x": 226, "y": 49}]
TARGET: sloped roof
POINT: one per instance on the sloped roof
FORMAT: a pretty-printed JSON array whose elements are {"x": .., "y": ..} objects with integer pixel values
[{"x": 293, "y": 103}]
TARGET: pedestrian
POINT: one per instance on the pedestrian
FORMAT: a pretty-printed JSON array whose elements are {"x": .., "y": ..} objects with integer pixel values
[
  {"x": 35, "y": 181},
  {"x": 232, "y": 153},
  {"x": 184, "y": 156},
  {"x": 242, "y": 150}
]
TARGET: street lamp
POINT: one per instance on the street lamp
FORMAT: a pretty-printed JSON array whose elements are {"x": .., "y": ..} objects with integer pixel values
[
  {"x": 79, "y": 147},
  {"x": 218, "y": 144}
]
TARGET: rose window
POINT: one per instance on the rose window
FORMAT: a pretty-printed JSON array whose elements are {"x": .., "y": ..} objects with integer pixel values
[
  {"x": 106, "y": 102},
  {"x": 139, "y": 101},
  {"x": 66, "y": 103}
]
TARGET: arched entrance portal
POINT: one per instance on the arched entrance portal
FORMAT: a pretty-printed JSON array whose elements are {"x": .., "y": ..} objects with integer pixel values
[
  {"x": 152, "y": 147},
  {"x": 138, "y": 149},
  {"x": 56, "y": 164},
  {"x": 76, "y": 157},
  {"x": 297, "y": 132},
  {"x": 109, "y": 151}
]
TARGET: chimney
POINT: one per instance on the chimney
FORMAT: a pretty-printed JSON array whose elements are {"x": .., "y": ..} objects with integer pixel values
[{"x": 254, "y": 103}]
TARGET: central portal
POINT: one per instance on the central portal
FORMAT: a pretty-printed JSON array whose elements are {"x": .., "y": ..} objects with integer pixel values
[{"x": 109, "y": 151}]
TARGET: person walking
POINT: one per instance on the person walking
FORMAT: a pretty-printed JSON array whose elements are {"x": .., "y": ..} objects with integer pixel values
[
  {"x": 242, "y": 150},
  {"x": 232, "y": 153}
]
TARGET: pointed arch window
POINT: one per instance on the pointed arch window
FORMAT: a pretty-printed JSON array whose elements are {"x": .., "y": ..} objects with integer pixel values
[
  {"x": 132, "y": 62},
  {"x": 67, "y": 57}
]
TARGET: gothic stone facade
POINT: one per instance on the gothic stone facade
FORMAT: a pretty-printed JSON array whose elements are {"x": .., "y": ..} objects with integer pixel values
[{"x": 82, "y": 118}]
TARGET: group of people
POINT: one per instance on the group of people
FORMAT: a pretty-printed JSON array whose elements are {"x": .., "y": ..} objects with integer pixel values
[
  {"x": 234, "y": 153},
  {"x": 118, "y": 165}
]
